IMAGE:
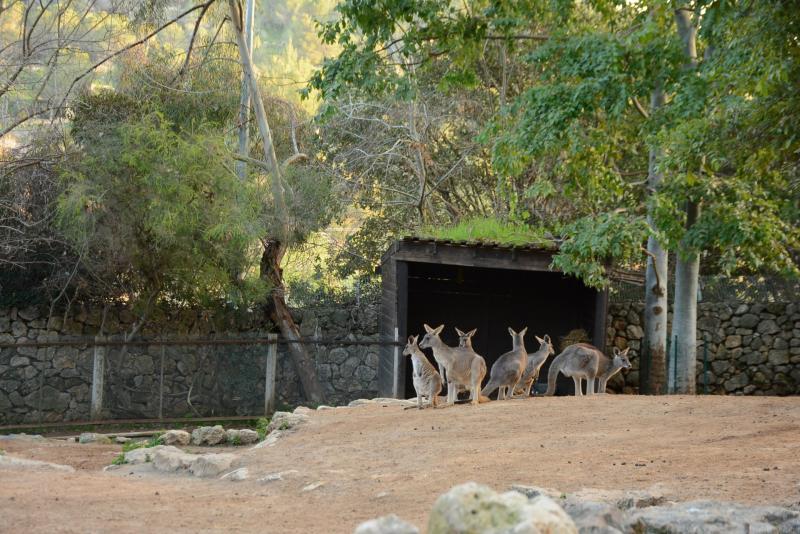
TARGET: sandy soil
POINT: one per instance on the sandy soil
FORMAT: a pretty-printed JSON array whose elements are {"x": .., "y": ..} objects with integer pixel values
[{"x": 375, "y": 460}]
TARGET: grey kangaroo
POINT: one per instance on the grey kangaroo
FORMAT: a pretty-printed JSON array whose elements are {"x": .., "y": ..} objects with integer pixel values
[
  {"x": 580, "y": 361},
  {"x": 465, "y": 338},
  {"x": 462, "y": 365},
  {"x": 535, "y": 362},
  {"x": 608, "y": 368},
  {"x": 427, "y": 382},
  {"x": 509, "y": 367}
]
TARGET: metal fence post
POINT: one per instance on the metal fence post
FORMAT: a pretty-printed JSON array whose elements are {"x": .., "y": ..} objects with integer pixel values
[
  {"x": 705, "y": 365},
  {"x": 396, "y": 365},
  {"x": 161, "y": 386},
  {"x": 98, "y": 379},
  {"x": 269, "y": 375}
]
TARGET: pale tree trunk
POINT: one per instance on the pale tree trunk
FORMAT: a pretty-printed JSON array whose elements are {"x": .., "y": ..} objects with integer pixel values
[
  {"x": 274, "y": 248},
  {"x": 244, "y": 102},
  {"x": 687, "y": 266},
  {"x": 653, "y": 365}
]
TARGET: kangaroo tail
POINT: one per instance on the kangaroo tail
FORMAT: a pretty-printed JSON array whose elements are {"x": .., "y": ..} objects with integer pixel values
[
  {"x": 552, "y": 374},
  {"x": 489, "y": 389}
]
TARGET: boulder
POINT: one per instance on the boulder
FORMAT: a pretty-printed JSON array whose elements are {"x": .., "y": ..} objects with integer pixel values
[
  {"x": 91, "y": 437},
  {"x": 208, "y": 435},
  {"x": 712, "y": 518},
  {"x": 145, "y": 455},
  {"x": 286, "y": 421},
  {"x": 245, "y": 436},
  {"x": 472, "y": 507},
  {"x": 211, "y": 465},
  {"x": 595, "y": 517},
  {"x": 11, "y": 462},
  {"x": 176, "y": 437},
  {"x": 171, "y": 459},
  {"x": 748, "y": 320},
  {"x": 388, "y": 524}
]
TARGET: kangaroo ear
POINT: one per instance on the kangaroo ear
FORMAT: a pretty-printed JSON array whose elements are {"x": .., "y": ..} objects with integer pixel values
[
  {"x": 511, "y": 331},
  {"x": 438, "y": 329},
  {"x": 615, "y": 351},
  {"x": 547, "y": 338},
  {"x": 472, "y": 332},
  {"x": 540, "y": 340},
  {"x": 411, "y": 340},
  {"x": 522, "y": 332},
  {"x": 428, "y": 329},
  {"x": 459, "y": 332},
  {"x": 625, "y": 352}
]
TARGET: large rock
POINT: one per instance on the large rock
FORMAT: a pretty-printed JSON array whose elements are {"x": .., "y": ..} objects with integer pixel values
[
  {"x": 11, "y": 462},
  {"x": 474, "y": 508},
  {"x": 176, "y": 437},
  {"x": 286, "y": 421},
  {"x": 91, "y": 437},
  {"x": 208, "y": 435},
  {"x": 595, "y": 517},
  {"x": 748, "y": 320},
  {"x": 145, "y": 455},
  {"x": 388, "y": 524},
  {"x": 711, "y": 518},
  {"x": 244, "y": 436},
  {"x": 171, "y": 459},
  {"x": 768, "y": 327},
  {"x": 211, "y": 465}
]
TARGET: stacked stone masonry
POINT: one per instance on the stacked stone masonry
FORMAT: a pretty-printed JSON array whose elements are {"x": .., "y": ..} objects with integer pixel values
[
  {"x": 742, "y": 349},
  {"x": 752, "y": 349},
  {"x": 52, "y": 384}
]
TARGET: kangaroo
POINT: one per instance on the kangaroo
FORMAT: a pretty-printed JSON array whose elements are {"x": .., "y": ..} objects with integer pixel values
[
  {"x": 465, "y": 339},
  {"x": 608, "y": 368},
  {"x": 509, "y": 367},
  {"x": 580, "y": 361},
  {"x": 462, "y": 365},
  {"x": 535, "y": 362},
  {"x": 427, "y": 381}
]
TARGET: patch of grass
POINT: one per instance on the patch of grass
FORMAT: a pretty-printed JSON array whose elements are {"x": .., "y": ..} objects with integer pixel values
[
  {"x": 237, "y": 440},
  {"x": 261, "y": 428},
  {"x": 284, "y": 426},
  {"x": 74, "y": 429},
  {"x": 119, "y": 460},
  {"x": 132, "y": 445},
  {"x": 489, "y": 230}
]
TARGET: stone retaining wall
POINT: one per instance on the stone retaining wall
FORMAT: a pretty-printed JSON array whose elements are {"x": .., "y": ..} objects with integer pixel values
[
  {"x": 54, "y": 384},
  {"x": 752, "y": 349}
]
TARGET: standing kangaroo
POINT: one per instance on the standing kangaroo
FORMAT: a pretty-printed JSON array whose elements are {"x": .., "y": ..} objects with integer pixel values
[
  {"x": 509, "y": 367},
  {"x": 462, "y": 365},
  {"x": 580, "y": 361},
  {"x": 427, "y": 381},
  {"x": 535, "y": 362},
  {"x": 608, "y": 368},
  {"x": 465, "y": 338}
]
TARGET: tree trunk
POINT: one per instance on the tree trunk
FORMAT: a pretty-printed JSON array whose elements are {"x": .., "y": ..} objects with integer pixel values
[
  {"x": 244, "y": 102},
  {"x": 687, "y": 267},
  {"x": 653, "y": 364},
  {"x": 280, "y": 315},
  {"x": 274, "y": 248},
  {"x": 684, "y": 320}
]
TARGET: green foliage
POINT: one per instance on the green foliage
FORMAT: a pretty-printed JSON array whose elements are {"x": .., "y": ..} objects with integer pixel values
[
  {"x": 261, "y": 428},
  {"x": 489, "y": 230},
  {"x": 119, "y": 459},
  {"x": 155, "y": 440},
  {"x": 160, "y": 213},
  {"x": 592, "y": 242}
]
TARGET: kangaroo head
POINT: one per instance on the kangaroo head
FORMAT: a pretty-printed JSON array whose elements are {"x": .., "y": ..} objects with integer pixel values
[
  {"x": 621, "y": 358},
  {"x": 430, "y": 335},
  {"x": 518, "y": 338},
  {"x": 465, "y": 338},
  {"x": 411, "y": 346},
  {"x": 545, "y": 341}
]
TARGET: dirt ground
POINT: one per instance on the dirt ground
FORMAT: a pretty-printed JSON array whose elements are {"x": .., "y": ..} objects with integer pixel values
[{"x": 375, "y": 460}]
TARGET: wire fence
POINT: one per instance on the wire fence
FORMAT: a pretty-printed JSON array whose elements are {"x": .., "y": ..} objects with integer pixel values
[
  {"x": 69, "y": 379},
  {"x": 743, "y": 289}
]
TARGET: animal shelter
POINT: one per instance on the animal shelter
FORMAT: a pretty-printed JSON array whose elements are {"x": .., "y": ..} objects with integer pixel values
[{"x": 479, "y": 285}]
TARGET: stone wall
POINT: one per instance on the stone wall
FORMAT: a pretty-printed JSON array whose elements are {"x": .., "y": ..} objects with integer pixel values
[
  {"x": 752, "y": 349},
  {"x": 46, "y": 384}
]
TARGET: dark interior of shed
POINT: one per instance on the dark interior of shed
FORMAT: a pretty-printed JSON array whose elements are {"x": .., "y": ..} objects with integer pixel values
[{"x": 491, "y": 300}]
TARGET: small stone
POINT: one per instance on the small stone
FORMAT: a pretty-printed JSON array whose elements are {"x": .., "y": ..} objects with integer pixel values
[
  {"x": 634, "y": 331},
  {"x": 313, "y": 486},
  {"x": 18, "y": 361},
  {"x": 236, "y": 475},
  {"x": 211, "y": 465},
  {"x": 732, "y": 342},
  {"x": 388, "y": 524},
  {"x": 121, "y": 439},
  {"x": 748, "y": 320},
  {"x": 208, "y": 435},
  {"x": 91, "y": 437},
  {"x": 768, "y": 327}
]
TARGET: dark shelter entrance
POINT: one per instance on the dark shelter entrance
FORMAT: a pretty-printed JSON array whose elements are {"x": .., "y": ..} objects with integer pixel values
[{"x": 469, "y": 285}]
